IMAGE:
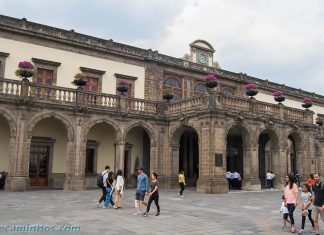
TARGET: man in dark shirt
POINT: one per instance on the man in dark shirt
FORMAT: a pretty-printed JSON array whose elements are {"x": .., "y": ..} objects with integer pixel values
[{"x": 318, "y": 200}]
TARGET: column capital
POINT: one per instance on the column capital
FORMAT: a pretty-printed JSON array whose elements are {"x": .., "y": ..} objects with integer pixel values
[{"x": 120, "y": 142}]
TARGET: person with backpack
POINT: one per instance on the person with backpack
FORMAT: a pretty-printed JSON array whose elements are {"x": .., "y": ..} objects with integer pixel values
[
  {"x": 101, "y": 183},
  {"x": 109, "y": 191}
]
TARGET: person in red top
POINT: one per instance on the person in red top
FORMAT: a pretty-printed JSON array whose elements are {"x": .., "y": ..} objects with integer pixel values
[
  {"x": 310, "y": 180},
  {"x": 291, "y": 197}
]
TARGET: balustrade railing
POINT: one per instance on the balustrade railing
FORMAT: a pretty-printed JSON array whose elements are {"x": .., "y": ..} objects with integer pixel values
[
  {"x": 10, "y": 87},
  {"x": 188, "y": 105},
  {"x": 235, "y": 103},
  {"x": 61, "y": 95}
]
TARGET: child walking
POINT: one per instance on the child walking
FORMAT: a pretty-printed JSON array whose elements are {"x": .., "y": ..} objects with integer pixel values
[
  {"x": 306, "y": 207},
  {"x": 154, "y": 195},
  {"x": 182, "y": 182},
  {"x": 284, "y": 211}
]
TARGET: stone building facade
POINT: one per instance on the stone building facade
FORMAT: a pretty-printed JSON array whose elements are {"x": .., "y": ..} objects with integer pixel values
[{"x": 55, "y": 136}]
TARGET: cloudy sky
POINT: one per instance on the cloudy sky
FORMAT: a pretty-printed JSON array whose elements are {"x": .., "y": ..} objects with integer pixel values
[{"x": 278, "y": 40}]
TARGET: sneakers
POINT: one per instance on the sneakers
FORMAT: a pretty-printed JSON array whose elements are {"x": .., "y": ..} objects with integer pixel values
[
  {"x": 301, "y": 231},
  {"x": 157, "y": 214},
  {"x": 105, "y": 207},
  {"x": 145, "y": 214},
  {"x": 137, "y": 213}
]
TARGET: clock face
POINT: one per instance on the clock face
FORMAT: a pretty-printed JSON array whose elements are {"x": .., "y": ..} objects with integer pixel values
[{"x": 202, "y": 58}]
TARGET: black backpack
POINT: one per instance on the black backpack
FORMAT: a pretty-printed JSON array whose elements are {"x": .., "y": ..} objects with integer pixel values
[{"x": 100, "y": 183}]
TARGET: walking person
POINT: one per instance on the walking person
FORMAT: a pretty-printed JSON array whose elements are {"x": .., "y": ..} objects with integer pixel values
[
  {"x": 268, "y": 177},
  {"x": 119, "y": 188},
  {"x": 306, "y": 207},
  {"x": 101, "y": 183},
  {"x": 291, "y": 196},
  {"x": 310, "y": 181},
  {"x": 297, "y": 178},
  {"x": 141, "y": 189},
  {"x": 273, "y": 176},
  {"x": 182, "y": 182},
  {"x": 318, "y": 200},
  {"x": 229, "y": 178},
  {"x": 154, "y": 195},
  {"x": 284, "y": 212},
  {"x": 109, "y": 191}
]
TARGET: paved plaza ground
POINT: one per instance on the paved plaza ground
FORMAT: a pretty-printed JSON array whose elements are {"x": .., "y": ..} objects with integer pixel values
[{"x": 237, "y": 212}]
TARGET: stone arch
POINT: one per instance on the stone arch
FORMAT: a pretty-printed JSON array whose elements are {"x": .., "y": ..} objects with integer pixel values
[
  {"x": 174, "y": 130},
  {"x": 185, "y": 151},
  {"x": 271, "y": 131},
  {"x": 38, "y": 117},
  {"x": 267, "y": 138},
  {"x": 298, "y": 137},
  {"x": 296, "y": 151},
  {"x": 244, "y": 130},
  {"x": 11, "y": 122},
  {"x": 108, "y": 121},
  {"x": 148, "y": 128}
]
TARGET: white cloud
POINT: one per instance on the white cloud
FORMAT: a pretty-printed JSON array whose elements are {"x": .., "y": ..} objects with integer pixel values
[{"x": 282, "y": 41}]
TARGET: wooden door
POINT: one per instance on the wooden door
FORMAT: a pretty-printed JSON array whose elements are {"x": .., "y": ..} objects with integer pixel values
[
  {"x": 38, "y": 165},
  {"x": 44, "y": 78}
]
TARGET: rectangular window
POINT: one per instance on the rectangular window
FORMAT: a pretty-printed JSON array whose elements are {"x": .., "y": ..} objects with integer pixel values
[
  {"x": 126, "y": 93},
  {"x": 92, "y": 84},
  {"x": 44, "y": 77},
  {"x": 90, "y": 161}
]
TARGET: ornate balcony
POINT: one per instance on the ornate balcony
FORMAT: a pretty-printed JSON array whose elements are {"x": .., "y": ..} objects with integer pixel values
[{"x": 67, "y": 98}]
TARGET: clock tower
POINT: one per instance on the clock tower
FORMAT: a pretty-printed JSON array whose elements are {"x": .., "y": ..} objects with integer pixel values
[{"x": 202, "y": 52}]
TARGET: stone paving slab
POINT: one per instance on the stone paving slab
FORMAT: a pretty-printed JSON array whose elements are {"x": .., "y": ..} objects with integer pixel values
[{"x": 238, "y": 212}]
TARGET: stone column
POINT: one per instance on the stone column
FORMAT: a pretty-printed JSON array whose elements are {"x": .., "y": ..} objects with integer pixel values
[
  {"x": 120, "y": 155},
  {"x": 78, "y": 182},
  {"x": 190, "y": 155},
  {"x": 69, "y": 164},
  {"x": 154, "y": 158},
  {"x": 280, "y": 165},
  {"x": 18, "y": 178},
  {"x": 211, "y": 170},
  {"x": 173, "y": 169},
  {"x": 251, "y": 179},
  {"x": 185, "y": 154}
]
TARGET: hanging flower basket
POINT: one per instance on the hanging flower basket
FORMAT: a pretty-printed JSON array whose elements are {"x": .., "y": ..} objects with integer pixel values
[
  {"x": 122, "y": 87},
  {"x": 251, "y": 89},
  {"x": 79, "y": 80},
  {"x": 167, "y": 96},
  {"x": 25, "y": 70},
  {"x": 307, "y": 103},
  {"x": 210, "y": 81},
  {"x": 319, "y": 121},
  {"x": 279, "y": 96}
]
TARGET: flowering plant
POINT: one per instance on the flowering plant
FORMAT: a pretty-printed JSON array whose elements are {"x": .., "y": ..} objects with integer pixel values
[
  {"x": 250, "y": 86},
  {"x": 25, "y": 65},
  {"x": 25, "y": 69},
  {"x": 278, "y": 94},
  {"x": 210, "y": 77},
  {"x": 79, "y": 80},
  {"x": 307, "y": 100},
  {"x": 79, "y": 76}
]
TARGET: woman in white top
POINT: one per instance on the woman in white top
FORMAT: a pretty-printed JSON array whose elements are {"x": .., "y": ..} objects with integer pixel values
[{"x": 119, "y": 187}]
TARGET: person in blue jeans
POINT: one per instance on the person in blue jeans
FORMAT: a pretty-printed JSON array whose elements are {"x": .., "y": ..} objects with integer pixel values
[
  {"x": 141, "y": 189},
  {"x": 109, "y": 191}
]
